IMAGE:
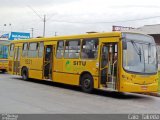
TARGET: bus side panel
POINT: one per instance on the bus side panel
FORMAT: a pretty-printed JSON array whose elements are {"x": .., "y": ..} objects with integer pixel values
[
  {"x": 96, "y": 82},
  {"x": 71, "y": 79},
  {"x": 34, "y": 65},
  {"x": 61, "y": 76},
  {"x": 68, "y": 71},
  {"x": 35, "y": 74}
]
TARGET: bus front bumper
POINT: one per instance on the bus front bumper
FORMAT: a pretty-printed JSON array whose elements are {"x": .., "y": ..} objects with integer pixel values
[{"x": 138, "y": 88}]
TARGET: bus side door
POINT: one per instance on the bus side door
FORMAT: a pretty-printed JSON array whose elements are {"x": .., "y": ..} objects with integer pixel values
[
  {"x": 16, "y": 62},
  {"x": 48, "y": 62},
  {"x": 108, "y": 63}
]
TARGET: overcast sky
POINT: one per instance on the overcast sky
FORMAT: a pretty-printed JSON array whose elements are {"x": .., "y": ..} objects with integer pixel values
[{"x": 75, "y": 16}]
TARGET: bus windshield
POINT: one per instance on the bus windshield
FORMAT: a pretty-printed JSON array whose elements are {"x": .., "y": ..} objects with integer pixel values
[
  {"x": 139, "y": 57},
  {"x": 3, "y": 49}
]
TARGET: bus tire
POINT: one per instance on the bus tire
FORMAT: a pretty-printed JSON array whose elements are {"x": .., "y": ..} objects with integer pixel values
[
  {"x": 25, "y": 74},
  {"x": 87, "y": 83}
]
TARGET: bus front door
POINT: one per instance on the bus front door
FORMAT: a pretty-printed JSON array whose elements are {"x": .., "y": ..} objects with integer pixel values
[
  {"x": 48, "y": 62},
  {"x": 16, "y": 68},
  {"x": 108, "y": 65}
]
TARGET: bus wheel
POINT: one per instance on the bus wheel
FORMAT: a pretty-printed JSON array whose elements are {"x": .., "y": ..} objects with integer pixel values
[
  {"x": 87, "y": 83},
  {"x": 25, "y": 74}
]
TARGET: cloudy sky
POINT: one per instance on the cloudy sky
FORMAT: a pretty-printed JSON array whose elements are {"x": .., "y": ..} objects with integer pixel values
[{"x": 76, "y": 16}]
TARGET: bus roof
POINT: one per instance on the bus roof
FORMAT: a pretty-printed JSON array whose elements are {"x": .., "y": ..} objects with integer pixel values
[{"x": 80, "y": 36}]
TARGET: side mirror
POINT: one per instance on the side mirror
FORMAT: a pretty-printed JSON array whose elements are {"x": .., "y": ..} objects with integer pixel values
[{"x": 124, "y": 44}]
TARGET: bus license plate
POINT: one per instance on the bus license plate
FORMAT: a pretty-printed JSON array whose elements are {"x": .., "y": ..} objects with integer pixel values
[{"x": 144, "y": 87}]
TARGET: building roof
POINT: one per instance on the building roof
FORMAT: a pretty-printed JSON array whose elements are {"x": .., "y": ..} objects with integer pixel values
[{"x": 148, "y": 29}]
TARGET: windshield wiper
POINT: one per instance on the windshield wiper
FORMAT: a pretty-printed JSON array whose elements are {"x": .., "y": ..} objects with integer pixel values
[{"x": 138, "y": 50}]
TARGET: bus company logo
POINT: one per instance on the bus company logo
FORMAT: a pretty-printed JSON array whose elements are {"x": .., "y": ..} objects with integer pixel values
[
  {"x": 68, "y": 65},
  {"x": 79, "y": 63}
]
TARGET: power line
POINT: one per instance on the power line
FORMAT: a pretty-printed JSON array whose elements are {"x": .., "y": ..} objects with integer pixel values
[
  {"x": 133, "y": 19},
  {"x": 49, "y": 18},
  {"x": 42, "y": 18},
  {"x": 75, "y": 22},
  {"x": 35, "y": 12}
]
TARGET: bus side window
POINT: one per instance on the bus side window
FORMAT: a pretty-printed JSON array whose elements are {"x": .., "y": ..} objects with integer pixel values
[
  {"x": 60, "y": 49},
  {"x": 90, "y": 48},
  {"x": 25, "y": 50},
  {"x": 72, "y": 49},
  {"x": 41, "y": 49},
  {"x": 33, "y": 50},
  {"x": 11, "y": 50}
]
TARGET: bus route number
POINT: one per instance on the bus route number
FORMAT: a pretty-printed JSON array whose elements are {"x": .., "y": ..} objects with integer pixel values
[{"x": 28, "y": 61}]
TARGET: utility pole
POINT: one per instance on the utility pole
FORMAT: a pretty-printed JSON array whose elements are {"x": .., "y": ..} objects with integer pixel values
[
  {"x": 32, "y": 29},
  {"x": 55, "y": 34},
  {"x": 42, "y": 18},
  {"x": 10, "y": 27},
  {"x": 44, "y": 27}
]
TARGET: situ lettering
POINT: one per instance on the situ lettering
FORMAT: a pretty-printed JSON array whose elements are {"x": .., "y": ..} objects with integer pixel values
[{"x": 79, "y": 63}]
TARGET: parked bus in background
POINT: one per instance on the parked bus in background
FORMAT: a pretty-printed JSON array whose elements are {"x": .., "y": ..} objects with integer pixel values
[
  {"x": 118, "y": 61},
  {"x": 4, "y": 55}
]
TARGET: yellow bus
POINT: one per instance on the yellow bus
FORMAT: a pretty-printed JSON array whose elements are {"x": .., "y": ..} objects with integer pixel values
[
  {"x": 4, "y": 55},
  {"x": 118, "y": 61}
]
